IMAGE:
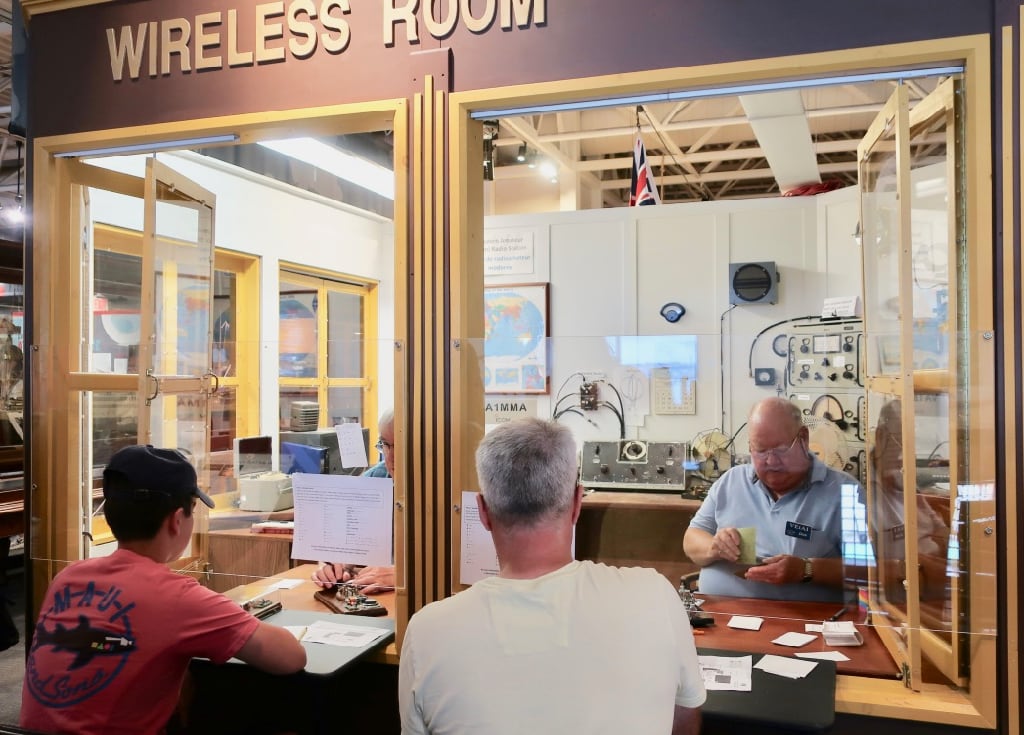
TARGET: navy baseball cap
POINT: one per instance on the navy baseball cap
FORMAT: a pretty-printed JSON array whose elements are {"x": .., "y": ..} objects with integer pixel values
[{"x": 145, "y": 468}]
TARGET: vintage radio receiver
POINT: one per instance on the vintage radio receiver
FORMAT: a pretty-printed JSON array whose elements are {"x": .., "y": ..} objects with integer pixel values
[{"x": 634, "y": 465}]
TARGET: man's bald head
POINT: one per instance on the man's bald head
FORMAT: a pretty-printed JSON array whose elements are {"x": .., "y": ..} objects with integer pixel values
[{"x": 776, "y": 411}]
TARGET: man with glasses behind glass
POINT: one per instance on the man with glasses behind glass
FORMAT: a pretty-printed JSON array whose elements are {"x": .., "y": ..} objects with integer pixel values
[
  {"x": 792, "y": 501},
  {"x": 370, "y": 580}
]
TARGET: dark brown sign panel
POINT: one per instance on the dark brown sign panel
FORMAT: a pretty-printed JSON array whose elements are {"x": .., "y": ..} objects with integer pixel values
[{"x": 131, "y": 63}]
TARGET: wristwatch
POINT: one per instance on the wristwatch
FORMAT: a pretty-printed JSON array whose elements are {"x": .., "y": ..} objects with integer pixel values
[{"x": 808, "y": 571}]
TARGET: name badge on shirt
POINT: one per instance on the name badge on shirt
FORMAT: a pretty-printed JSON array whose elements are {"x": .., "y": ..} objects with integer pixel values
[
  {"x": 897, "y": 532},
  {"x": 798, "y": 530}
]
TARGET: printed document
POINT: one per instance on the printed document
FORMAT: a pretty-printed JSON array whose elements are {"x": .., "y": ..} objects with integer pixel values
[{"x": 343, "y": 519}]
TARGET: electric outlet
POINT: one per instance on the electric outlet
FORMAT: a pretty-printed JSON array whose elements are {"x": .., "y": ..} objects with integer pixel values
[{"x": 588, "y": 396}]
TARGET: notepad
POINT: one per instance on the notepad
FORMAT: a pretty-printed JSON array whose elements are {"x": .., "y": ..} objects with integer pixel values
[{"x": 841, "y": 633}]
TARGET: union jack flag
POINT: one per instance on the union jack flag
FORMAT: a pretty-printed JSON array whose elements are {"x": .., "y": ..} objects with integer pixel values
[{"x": 642, "y": 188}]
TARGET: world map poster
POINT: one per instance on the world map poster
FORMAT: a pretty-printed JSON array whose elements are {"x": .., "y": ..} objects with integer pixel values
[{"x": 515, "y": 338}]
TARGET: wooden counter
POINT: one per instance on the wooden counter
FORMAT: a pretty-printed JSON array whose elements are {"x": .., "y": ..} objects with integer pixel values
[{"x": 783, "y": 616}]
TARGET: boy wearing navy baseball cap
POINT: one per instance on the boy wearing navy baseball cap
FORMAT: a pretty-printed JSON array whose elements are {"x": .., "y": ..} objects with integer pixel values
[{"x": 116, "y": 633}]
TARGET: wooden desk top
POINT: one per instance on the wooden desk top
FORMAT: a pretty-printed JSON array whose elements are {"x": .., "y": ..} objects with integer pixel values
[
  {"x": 301, "y": 597},
  {"x": 783, "y": 616}
]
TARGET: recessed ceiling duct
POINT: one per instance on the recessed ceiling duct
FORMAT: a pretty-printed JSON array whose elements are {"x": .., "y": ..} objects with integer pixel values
[{"x": 780, "y": 124}]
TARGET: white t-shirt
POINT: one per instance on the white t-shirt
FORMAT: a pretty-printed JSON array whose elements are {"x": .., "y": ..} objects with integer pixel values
[{"x": 587, "y": 648}]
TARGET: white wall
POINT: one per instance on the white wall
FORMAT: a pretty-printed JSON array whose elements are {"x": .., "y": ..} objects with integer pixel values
[
  {"x": 262, "y": 217},
  {"x": 611, "y": 270}
]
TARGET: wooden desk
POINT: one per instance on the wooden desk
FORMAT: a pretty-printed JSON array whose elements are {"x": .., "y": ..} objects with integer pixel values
[
  {"x": 782, "y": 616},
  {"x": 301, "y": 598}
]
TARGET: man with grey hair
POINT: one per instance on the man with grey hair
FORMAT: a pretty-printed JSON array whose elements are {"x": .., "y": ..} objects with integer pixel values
[
  {"x": 550, "y": 645},
  {"x": 787, "y": 502}
]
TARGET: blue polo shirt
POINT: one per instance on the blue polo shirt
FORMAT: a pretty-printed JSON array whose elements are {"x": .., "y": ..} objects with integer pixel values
[{"x": 805, "y": 522}]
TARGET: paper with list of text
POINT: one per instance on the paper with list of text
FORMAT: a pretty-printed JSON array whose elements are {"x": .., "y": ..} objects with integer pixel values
[{"x": 345, "y": 519}]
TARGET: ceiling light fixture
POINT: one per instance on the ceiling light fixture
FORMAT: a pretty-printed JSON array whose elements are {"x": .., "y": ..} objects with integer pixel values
[
  {"x": 150, "y": 147},
  {"x": 521, "y": 155},
  {"x": 896, "y": 75},
  {"x": 359, "y": 171}
]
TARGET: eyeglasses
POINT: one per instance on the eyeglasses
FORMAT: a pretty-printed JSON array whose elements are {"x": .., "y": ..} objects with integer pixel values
[
  {"x": 776, "y": 453},
  {"x": 382, "y": 445}
]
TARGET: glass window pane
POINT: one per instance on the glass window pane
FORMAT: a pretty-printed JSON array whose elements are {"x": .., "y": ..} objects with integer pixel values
[
  {"x": 345, "y": 406},
  {"x": 930, "y": 219},
  {"x": 880, "y": 237},
  {"x": 345, "y": 327},
  {"x": 116, "y": 297},
  {"x": 288, "y": 396},
  {"x": 225, "y": 307},
  {"x": 297, "y": 330}
]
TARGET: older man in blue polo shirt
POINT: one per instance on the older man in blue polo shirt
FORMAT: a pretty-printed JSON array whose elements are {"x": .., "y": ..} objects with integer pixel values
[{"x": 792, "y": 501}]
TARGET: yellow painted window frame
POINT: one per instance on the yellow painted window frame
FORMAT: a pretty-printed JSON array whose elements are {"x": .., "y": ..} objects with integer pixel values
[{"x": 325, "y": 282}]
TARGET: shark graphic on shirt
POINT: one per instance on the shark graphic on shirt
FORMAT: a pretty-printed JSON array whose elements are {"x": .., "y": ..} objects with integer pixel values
[{"x": 84, "y": 641}]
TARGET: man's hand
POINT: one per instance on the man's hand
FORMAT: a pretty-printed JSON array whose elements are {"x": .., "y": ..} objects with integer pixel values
[
  {"x": 372, "y": 580},
  {"x": 725, "y": 544},
  {"x": 330, "y": 574},
  {"x": 702, "y": 548},
  {"x": 780, "y": 569}
]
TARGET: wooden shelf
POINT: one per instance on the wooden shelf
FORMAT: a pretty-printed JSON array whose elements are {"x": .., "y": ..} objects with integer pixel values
[{"x": 639, "y": 501}]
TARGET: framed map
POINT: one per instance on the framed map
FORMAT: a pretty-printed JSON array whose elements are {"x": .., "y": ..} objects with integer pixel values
[{"x": 515, "y": 338}]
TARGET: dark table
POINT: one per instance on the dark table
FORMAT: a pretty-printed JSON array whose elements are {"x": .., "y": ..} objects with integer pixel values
[{"x": 774, "y": 703}]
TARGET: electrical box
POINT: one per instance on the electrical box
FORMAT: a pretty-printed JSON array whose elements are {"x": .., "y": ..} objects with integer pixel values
[{"x": 633, "y": 464}]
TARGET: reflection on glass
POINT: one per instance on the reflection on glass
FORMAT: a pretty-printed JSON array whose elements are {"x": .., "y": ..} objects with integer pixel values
[
  {"x": 930, "y": 548},
  {"x": 345, "y": 406},
  {"x": 287, "y": 397},
  {"x": 929, "y": 247},
  {"x": 880, "y": 242},
  {"x": 225, "y": 306},
  {"x": 298, "y": 331},
  {"x": 114, "y": 425},
  {"x": 183, "y": 256},
  {"x": 115, "y": 323}
]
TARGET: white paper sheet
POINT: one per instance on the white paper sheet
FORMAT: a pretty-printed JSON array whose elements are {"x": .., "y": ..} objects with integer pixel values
[
  {"x": 479, "y": 559},
  {"x": 350, "y": 445},
  {"x": 795, "y": 639},
  {"x": 745, "y": 622},
  {"x": 791, "y": 668},
  {"x": 727, "y": 673},
  {"x": 340, "y": 634},
  {"x": 285, "y": 584},
  {"x": 344, "y": 519}
]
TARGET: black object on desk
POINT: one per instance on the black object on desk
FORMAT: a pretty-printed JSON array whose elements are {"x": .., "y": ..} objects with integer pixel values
[{"x": 774, "y": 703}]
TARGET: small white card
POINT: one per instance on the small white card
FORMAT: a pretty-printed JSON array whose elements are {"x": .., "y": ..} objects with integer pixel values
[
  {"x": 791, "y": 668},
  {"x": 795, "y": 639},
  {"x": 745, "y": 622}
]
